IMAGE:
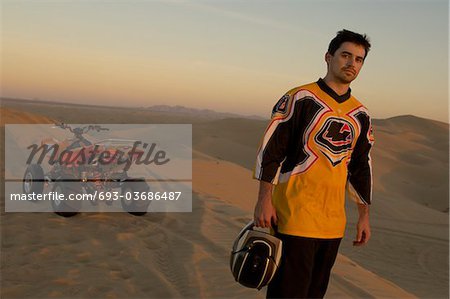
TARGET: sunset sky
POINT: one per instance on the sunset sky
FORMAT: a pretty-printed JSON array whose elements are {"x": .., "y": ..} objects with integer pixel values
[{"x": 229, "y": 56}]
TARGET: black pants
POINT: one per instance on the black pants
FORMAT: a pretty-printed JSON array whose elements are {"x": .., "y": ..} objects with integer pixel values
[{"x": 305, "y": 267}]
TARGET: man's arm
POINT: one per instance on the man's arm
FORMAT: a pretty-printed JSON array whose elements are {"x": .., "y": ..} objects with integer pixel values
[
  {"x": 265, "y": 214},
  {"x": 363, "y": 226},
  {"x": 274, "y": 144},
  {"x": 360, "y": 177},
  {"x": 270, "y": 157}
]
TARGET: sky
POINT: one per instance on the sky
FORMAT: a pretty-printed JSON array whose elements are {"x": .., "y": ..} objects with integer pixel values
[{"x": 226, "y": 55}]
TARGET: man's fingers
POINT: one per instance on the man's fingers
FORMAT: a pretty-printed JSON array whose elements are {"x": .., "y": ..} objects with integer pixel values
[
  {"x": 265, "y": 223},
  {"x": 261, "y": 223},
  {"x": 275, "y": 219},
  {"x": 359, "y": 236},
  {"x": 357, "y": 241},
  {"x": 368, "y": 235},
  {"x": 265, "y": 220},
  {"x": 361, "y": 239}
]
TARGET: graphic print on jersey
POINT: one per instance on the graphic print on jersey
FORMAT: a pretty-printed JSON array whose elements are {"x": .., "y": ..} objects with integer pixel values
[
  {"x": 335, "y": 139},
  {"x": 281, "y": 106}
]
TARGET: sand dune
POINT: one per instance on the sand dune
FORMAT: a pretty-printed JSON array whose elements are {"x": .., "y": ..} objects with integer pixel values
[
  {"x": 185, "y": 255},
  {"x": 15, "y": 116},
  {"x": 160, "y": 255}
]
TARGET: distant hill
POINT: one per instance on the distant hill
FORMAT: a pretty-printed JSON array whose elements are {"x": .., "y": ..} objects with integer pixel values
[
  {"x": 159, "y": 110},
  {"x": 203, "y": 112}
]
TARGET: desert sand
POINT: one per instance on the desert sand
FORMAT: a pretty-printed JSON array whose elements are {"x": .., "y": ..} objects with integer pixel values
[{"x": 186, "y": 255}]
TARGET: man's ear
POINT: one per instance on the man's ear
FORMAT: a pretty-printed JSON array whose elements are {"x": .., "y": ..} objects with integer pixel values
[{"x": 328, "y": 57}]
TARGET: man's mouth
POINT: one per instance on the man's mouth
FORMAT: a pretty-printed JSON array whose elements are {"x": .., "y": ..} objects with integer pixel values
[{"x": 350, "y": 71}]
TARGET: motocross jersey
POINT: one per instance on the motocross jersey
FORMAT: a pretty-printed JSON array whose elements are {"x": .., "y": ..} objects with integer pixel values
[{"x": 317, "y": 144}]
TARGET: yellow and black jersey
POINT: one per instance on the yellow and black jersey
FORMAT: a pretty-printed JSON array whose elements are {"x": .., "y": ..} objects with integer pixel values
[{"x": 316, "y": 144}]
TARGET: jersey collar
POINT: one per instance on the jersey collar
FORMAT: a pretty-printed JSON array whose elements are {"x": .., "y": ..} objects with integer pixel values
[{"x": 332, "y": 93}]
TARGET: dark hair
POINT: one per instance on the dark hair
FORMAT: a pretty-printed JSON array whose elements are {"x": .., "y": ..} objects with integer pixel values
[{"x": 349, "y": 36}]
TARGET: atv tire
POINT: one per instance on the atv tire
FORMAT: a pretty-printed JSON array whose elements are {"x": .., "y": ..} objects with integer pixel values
[
  {"x": 134, "y": 207},
  {"x": 33, "y": 180},
  {"x": 66, "y": 186}
]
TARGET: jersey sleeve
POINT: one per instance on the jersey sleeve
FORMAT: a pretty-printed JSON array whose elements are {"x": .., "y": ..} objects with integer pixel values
[
  {"x": 273, "y": 148},
  {"x": 360, "y": 167}
]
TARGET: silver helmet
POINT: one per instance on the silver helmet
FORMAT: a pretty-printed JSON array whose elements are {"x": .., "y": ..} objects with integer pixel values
[{"x": 255, "y": 257}]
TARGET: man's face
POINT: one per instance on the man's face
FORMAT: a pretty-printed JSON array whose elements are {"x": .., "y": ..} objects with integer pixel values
[{"x": 345, "y": 64}]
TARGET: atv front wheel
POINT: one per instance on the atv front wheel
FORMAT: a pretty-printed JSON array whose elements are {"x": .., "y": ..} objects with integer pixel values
[
  {"x": 129, "y": 204},
  {"x": 33, "y": 179},
  {"x": 66, "y": 207}
]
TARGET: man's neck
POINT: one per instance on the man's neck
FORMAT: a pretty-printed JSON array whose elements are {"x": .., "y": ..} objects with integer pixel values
[{"x": 339, "y": 88}]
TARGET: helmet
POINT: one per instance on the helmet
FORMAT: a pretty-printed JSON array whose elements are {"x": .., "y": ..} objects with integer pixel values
[{"x": 255, "y": 257}]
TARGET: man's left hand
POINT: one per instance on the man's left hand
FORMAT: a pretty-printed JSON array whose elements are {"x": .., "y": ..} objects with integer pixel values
[{"x": 363, "y": 231}]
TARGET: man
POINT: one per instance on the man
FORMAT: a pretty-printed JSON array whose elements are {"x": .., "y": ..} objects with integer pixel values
[{"x": 315, "y": 146}]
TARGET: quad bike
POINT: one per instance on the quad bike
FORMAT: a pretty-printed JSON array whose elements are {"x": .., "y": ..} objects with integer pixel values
[{"x": 83, "y": 172}]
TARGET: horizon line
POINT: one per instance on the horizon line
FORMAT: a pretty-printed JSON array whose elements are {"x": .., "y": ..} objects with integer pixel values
[{"x": 187, "y": 107}]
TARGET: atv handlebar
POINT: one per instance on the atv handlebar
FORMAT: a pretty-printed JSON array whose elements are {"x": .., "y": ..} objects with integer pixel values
[{"x": 81, "y": 130}]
